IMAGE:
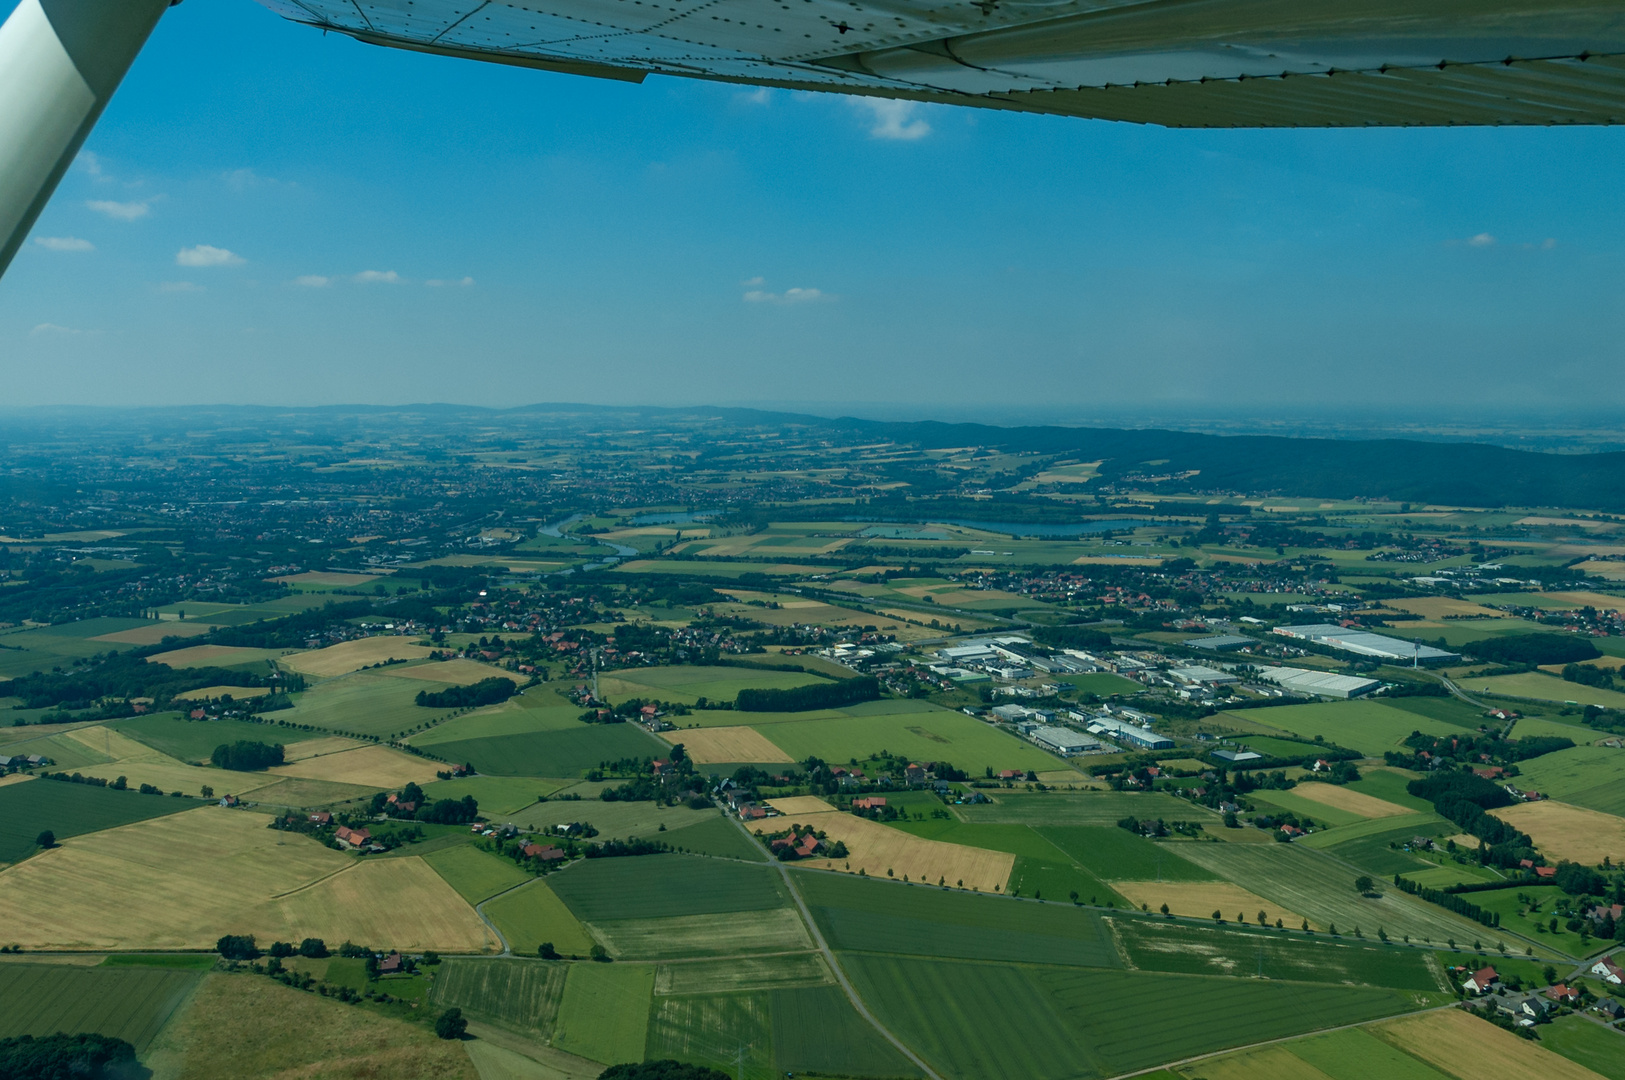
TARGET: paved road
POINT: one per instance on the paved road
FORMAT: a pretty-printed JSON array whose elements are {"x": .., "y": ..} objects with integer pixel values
[{"x": 829, "y": 958}]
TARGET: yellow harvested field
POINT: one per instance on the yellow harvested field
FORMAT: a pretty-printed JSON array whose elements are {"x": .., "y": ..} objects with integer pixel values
[
  {"x": 1606, "y": 663},
  {"x": 201, "y": 655},
  {"x": 348, "y": 656},
  {"x": 321, "y": 577},
  {"x": 801, "y": 805},
  {"x": 370, "y": 765},
  {"x": 15, "y": 778},
  {"x": 1152, "y": 561},
  {"x": 454, "y": 672},
  {"x": 1436, "y": 607},
  {"x": 875, "y": 849},
  {"x": 140, "y": 764},
  {"x": 153, "y": 634},
  {"x": 1200, "y": 899},
  {"x": 1562, "y": 831},
  {"x": 180, "y": 882},
  {"x": 707, "y": 746},
  {"x": 310, "y": 748},
  {"x": 1613, "y": 570},
  {"x": 209, "y": 693},
  {"x": 1467, "y": 1046},
  {"x": 1600, "y": 601},
  {"x": 1354, "y": 802}
]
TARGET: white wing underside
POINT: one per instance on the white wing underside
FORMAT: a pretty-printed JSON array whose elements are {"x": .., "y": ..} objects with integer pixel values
[{"x": 1181, "y": 63}]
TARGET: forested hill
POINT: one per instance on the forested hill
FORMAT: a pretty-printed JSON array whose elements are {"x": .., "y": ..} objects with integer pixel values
[{"x": 1464, "y": 473}]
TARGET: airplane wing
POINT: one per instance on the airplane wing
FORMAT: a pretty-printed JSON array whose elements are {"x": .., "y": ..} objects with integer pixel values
[{"x": 1180, "y": 63}]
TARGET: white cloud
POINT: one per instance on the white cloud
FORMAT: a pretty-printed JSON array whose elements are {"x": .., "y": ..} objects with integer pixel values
[
  {"x": 1483, "y": 239},
  {"x": 462, "y": 283},
  {"x": 207, "y": 255},
  {"x": 121, "y": 211},
  {"x": 1549, "y": 243},
  {"x": 313, "y": 281},
  {"x": 752, "y": 282},
  {"x": 893, "y": 119},
  {"x": 52, "y": 328},
  {"x": 92, "y": 163},
  {"x": 762, "y": 95},
  {"x": 179, "y": 286},
  {"x": 64, "y": 243},
  {"x": 788, "y": 296},
  {"x": 387, "y": 277}
]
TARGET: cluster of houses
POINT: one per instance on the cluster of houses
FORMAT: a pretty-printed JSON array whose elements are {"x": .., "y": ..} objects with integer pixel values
[{"x": 1530, "y": 1008}]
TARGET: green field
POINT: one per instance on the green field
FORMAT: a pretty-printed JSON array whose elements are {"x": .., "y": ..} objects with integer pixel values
[
  {"x": 519, "y": 994},
  {"x": 129, "y": 1003},
  {"x": 529, "y": 916},
  {"x": 725, "y": 1031},
  {"x": 1368, "y": 846},
  {"x": 1307, "y": 882},
  {"x": 1449, "y": 710},
  {"x": 1101, "y": 684},
  {"x": 716, "y": 836},
  {"x": 29, "y": 808},
  {"x": 1118, "y": 855},
  {"x": 476, "y": 875},
  {"x": 173, "y": 961},
  {"x": 1315, "y": 811},
  {"x": 936, "y": 735},
  {"x": 605, "y": 1012},
  {"x": 1368, "y": 726},
  {"x": 554, "y": 753},
  {"x": 531, "y": 712},
  {"x": 1042, "y": 868},
  {"x": 1542, "y": 687},
  {"x": 66, "y": 752},
  {"x": 1081, "y": 808},
  {"x": 613, "y": 818},
  {"x": 666, "y": 885},
  {"x": 1588, "y": 776},
  {"x": 876, "y": 916},
  {"x": 1389, "y": 786},
  {"x": 816, "y": 1030},
  {"x": 743, "y": 973},
  {"x": 998, "y": 1022},
  {"x": 1356, "y": 1054},
  {"x": 195, "y": 740},
  {"x": 362, "y": 703},
  {"x": 685, "y": 684},
  {"x": 1155, "y": 945},
  {"x": 1517, "y": 918},
  {"x": 497, "y": 795},
  {"x": 1588, "y": 1044}
]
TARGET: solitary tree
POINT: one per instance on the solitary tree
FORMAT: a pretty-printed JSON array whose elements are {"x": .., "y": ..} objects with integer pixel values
[
  {"x": 1363, "y": 885},
  {"x": 451, "y": 1025},
  {"x": 546, "y": 951},
  {"x": 46, "y": 839}
]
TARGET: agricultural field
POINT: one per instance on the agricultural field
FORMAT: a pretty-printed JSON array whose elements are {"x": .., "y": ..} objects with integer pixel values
[
  {"x": 975, "y": 1020},
  {"x": 686, "y": 685},
  {"x": 607, "y": 889},
  {"x": 224, "y": 690},
  {"x": 707, "y": 746},
  {"x": 1529, "y": 911},
  {"x": 1156, "y": 945},
  {"x": 69, "y": 810},
  {"x": 365, "y": 703},
  {"x": 1358, "y": 803},
  {"x": 1200, "y": 899},
  {"x": 936, "y": 734},
  {"x": 743, "y": 973},
  {"x": 1102, "y": 684},
  {"x": 1588, "y": 776},
  {"x": 1102, "y": 808},
  {"x": 674, "y": 937},
  {"x": 348, "y": 656},
  {"x": 299, "y": 794},
  {"x": 497, "y": 795},
  {"x": 887, "y": 917},
  {"x": 1562, "y": 831},
  {"x": 520, "y": 994},
  {"x": 1368, "y": 726},
  {"x": 726, "y": 1031},
  {"x": 1320, "y": 889},
  {"x": 522, "y": 714},
  {"x": 62, "y": 748},
  {"x": 368, "y": 766},
  {"x": 1353, "y": 1054},
  {"x": 1540, "y": 686},
  {"x": 1319, "y": 812},
  {"x": 129, "y": 1003},
  {"x": 554, "y": 753},
  {"x": 880, "y": 851},
  {"x": 250, "y": 1028},
  {"x": 715, "y": 836},
  {"x": 476, "y": 874},
  {"x": 1389, "y": 785},
  {"x": 1587, "y": 1044},
  {"x": 194, "y": 740},
  {"x": 215, "y": 656},
  {"x": 458, "y": 672},
  {"x": 1464, "y": 1045},
  {"x": 534, "y": 914},
  {"x": 140, "y": 764},
  {"x": 605, "y": 1012},
  {"x": 186, "y": 879}
]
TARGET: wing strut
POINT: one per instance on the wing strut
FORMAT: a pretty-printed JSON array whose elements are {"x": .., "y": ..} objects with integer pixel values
[{"x": 60, "y": 61}]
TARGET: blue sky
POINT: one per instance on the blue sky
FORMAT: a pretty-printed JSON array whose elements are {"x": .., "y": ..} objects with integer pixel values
[{"x": 269, "y": 215}]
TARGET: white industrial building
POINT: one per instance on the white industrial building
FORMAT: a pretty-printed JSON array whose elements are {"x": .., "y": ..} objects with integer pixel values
[
  {"x": 1365, "y": 643},
  {"x": 1320, "y": 683},
  {"x": 1063, "y": 741},
  {"x": 1201, "y": 675},
  {"x": 1128, "y": 733}
]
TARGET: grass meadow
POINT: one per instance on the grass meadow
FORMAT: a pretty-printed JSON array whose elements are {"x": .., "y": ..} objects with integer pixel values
[
  {"x": 1588, "y": 1044},
  {"x": 195, "y": 740},
  {"x": 361, "y": 704},
  {"x": 68, "y": 810},
  {"x": 1368, "y": 726},
  {"x": 934, "y": 735},
  {"x": 605, "y": 1013},
  {"x": 129, "y": 1003},
  {"x": 523, "y": 715},
  {"x": 497, "y": 795},
  {"x": 527, "y": 917},
  {"x": 476, "y": 875},
  {"x": 1542, "y": 687},
  {"x": 1588, "y": 776},
  {"x": 1155, "y": 945},
  {"x": 715, "y": 836},
  {"x": 1105, "y": 808},
  {"x": 686, "y": 684}
]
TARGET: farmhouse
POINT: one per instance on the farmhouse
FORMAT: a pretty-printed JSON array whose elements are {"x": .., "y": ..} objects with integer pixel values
[
  {"x": 321, "y": 817},
  {"x": 355, "y": 838},
  {"x": 873, "y": 802},
  {"x": 545, "y": 853},
  {"x": 1609, "y": 971},
  {"x": 390, "y": 964},
  {"x": 1480, "y": 981},
  {"x": 1563, "y": 994}
]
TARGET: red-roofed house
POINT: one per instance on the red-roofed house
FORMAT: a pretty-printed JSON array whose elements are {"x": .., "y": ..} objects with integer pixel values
[
  {"x": 1480, "y": 981},
  {"x": 546, "y": 854},
  {"x": 356, "y": 838},
  {"x": 871, "y": 802},
  {"x": 321, "y": 817},
  {"x": 390, "y": 964},
  {"x": 1545, "y": 871},
  {"x": 1564, "y": 993},
  {"x": 1609, "y": 971}
]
